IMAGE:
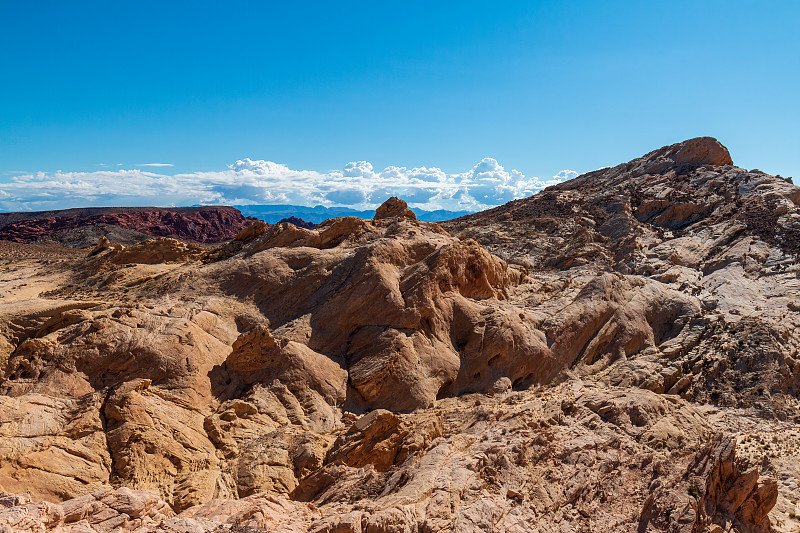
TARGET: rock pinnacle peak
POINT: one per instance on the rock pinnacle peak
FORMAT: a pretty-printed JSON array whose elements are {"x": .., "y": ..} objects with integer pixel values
[
  {"x": 698, "y": 151},
  {"x": 394, "y": 208}
]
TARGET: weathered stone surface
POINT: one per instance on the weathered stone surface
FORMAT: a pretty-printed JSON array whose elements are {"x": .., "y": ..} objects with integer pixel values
[
  {"x": 394, "y": 208},
  {"x": 154, "y": 251},
  {"x": 101, "y": 511},
  {"x": 716, "y": 491},
  {"x": 565, "y": 362},
  {"x": 697, "y": 151},
  {"x": 711, "y": 265}
]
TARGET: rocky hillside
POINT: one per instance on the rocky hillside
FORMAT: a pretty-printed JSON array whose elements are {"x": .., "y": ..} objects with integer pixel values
[
  {"x": 618, "y": 353},
  {"x": 198, "y": 224},
  {"x": 685, "y": 217}
]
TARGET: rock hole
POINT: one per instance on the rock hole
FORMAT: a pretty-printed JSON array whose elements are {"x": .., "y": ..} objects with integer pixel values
[
  {"x": 523, "y": 382},
  {"x": 444, "y": 390}
]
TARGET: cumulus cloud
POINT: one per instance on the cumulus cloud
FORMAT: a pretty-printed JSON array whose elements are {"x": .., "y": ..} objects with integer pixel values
[
  {"x": 246, "y": 181},
  {"x": 564, "y": 175}
]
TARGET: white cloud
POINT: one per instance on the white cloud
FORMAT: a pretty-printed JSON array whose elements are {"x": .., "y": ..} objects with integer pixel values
[
  {"x": 564, "y": 175},
  {"x": 358, "y": 169},
  {"x": 246, "y": 181}
]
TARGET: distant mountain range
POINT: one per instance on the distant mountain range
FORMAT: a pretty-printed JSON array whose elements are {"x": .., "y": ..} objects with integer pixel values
[
  {"x": 273, "y": 213},
  {"x": 83, "y": 226}
]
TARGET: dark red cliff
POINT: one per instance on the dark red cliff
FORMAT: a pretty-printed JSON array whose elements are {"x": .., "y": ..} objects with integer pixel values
[{"x": 199, "y": 224}]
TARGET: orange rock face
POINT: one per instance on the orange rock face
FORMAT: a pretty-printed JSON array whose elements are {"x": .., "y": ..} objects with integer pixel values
[
  {"x": 394, "y": 208},
  {"x": 566, "y": 362},
  {"x": 698, "y": 151}
]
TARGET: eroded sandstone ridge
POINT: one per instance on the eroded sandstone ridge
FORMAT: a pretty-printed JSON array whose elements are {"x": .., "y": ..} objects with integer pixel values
[{"x": 617, "y": 353}]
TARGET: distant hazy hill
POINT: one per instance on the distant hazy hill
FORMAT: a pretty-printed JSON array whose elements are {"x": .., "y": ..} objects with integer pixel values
[{"x": 274, "y": 213}]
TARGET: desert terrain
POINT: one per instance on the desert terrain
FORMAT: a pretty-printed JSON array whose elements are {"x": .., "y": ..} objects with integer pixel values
[{"x": 616, "y": 353}]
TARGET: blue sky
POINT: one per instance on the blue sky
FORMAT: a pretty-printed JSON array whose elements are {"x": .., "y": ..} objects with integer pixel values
[{"x": 468, "y": 103}]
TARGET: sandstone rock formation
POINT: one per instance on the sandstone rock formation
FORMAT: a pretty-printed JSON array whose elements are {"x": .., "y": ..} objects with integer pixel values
[
  {"x": 715, "y": 491},
  {"x": 721, "y": 236},
  {"x": 299, "y": 222},
  {"x": 199, "y": 224},
  {"x": 394, "y": 208},
  {"x": 104, "y": 510},
  {"x": 582, "y": 360}
]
